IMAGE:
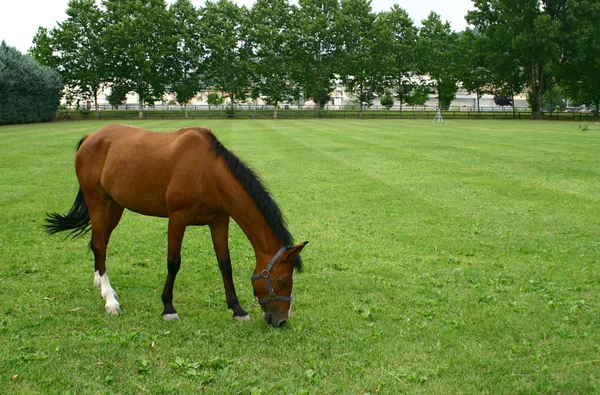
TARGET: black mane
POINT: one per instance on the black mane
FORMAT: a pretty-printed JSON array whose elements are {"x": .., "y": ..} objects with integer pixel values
[{"x": 259, "y": 194}]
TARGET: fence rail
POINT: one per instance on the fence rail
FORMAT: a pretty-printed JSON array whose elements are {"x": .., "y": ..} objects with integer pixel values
[
  {"x": 288, "y": 107},
  {"x": 268, "y": 112}
]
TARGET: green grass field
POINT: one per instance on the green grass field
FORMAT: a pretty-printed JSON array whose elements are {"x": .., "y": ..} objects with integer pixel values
[{"x": 453, "y": 258}]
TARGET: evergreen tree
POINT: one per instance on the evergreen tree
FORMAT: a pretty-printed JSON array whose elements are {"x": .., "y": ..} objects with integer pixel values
[{"x": 29, "y": 92}]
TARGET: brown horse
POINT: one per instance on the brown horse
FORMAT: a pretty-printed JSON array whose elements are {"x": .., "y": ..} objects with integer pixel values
[{"x": 189, "y": 177}]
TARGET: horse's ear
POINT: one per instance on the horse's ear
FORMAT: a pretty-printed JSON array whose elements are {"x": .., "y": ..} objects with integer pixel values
[{"x": 293, "y": 252}]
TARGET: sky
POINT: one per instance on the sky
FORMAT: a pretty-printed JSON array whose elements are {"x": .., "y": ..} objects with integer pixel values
[{"x": 20, "y": 19}]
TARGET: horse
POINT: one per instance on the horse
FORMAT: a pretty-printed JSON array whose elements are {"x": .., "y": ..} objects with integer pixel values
[{"x": 189, "y": 177}]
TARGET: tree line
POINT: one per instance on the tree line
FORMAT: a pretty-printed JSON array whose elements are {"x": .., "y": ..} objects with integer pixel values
[{"x": 283, "y": 52}]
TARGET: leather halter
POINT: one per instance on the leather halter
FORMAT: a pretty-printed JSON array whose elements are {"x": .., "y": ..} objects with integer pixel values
[{"x": 265, "y": 274}]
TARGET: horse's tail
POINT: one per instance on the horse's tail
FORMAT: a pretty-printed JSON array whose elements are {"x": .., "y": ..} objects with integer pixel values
[{"x": 77, "y": 219}]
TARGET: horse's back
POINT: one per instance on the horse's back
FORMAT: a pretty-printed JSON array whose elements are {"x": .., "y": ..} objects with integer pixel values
[{"x": 137, "y": 167}]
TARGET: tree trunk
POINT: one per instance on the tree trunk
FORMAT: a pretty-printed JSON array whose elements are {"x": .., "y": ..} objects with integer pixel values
[
  {"x": 537, "y": 83},
  {"x": 96, "y": 106},
  {"x": 512, "y": 98},
  {"x": 400, "y": 95},
  {"x": 140, "y": 106}
]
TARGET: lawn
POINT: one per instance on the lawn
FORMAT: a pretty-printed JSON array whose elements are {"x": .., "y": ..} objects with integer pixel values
[{"x": 453, "y": 258}]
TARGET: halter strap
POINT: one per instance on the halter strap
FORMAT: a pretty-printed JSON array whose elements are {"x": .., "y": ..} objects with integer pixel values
[{"x": 265, "y": 274}]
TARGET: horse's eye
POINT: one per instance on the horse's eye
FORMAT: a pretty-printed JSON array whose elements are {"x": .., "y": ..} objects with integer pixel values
[{"x": 282, "y": 284}]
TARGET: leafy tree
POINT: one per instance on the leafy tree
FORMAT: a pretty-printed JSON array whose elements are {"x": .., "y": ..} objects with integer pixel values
[
  {"x": 214, "y": 99},
  {"x": 387, "y": 100},
  {"x": 76, "y": 50},
  {"x": 473, "y": 70},
  {"x": 399, "y": 38},
  {"x": 580, "y": 66},
  {"x": 227, "y": 66},
  {"x": 553, "y": 100},
  {"x": 316, "y": 49},
  {"x": 272, "y": 35},
  {"x": 503, "y": 101},
  {"x": 360, "y": 65},
  {"x": 140, "y": 40},
  {"x": 527, "y": 31},
  {"x": 117, "y": 95},
  {"x": 29, "y": 92},
  {"x": 43, "y": 49},
  {"x": 187, "y": 78},
  {"x": 418, "y": 95},
  {"x": 436, "y": 47}
]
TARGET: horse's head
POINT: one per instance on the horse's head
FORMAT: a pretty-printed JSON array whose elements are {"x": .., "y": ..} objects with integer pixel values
[{"x": 273, "y": 285}]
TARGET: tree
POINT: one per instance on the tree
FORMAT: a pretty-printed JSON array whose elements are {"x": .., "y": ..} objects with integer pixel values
[
  {"x": 316, "y": 49},
  {"x": 436, "y": 48},
  {"x": 140, "y": 40},
  {"x": 214, "y": 99},
  {"x": 579, "y": 70},
  {"x": 473, "y": 70},
  {"x": 187, "y": 78},
  {"x": 418, "y": 95},
  {"x": 387, "y": 100},
  {"x": 272, "y": 36},
  {"x": 76, "y": 50},
  {"x": 399, "y": 38},
  {"x": 29, "y": 92},
  {"x": 502, "y": 101},
  {"x": 553, "y": 100},
  {"x": 43, "y": 49},
  {"x": 227, "y": 66},
  {"x": 528, "y": 32},
  {"x": 360, "y": 66}
]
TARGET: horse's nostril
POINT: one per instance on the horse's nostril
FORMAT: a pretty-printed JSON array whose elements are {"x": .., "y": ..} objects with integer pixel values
[
  {"x": 281, "y": 323},
  {"x": 268, "y": 318}
]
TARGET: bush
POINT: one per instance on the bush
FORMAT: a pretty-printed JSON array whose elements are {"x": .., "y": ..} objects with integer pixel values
[
  {"x": 387, "y": 101},
  {"x": 29, "y": 92}
]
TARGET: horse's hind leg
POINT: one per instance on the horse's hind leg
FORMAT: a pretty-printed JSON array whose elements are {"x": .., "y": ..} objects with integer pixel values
[
  {"x": 219, "y": 232},
  {"x": 104, "y": 216}
]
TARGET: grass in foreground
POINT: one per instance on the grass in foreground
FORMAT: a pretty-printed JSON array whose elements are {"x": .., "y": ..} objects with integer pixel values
[{"x": 454, "y": 258}]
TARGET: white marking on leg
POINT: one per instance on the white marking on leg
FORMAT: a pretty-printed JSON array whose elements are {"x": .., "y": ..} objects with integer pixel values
[
  {"x": 112, "y": 306},
  {"x": 171, "y": 317},
  {"x": 245, "y": 318},
  {"x": 97, "y": 282}
]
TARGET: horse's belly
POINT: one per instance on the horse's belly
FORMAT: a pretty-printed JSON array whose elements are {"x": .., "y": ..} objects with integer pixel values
[{"x": 142, "y": 191}]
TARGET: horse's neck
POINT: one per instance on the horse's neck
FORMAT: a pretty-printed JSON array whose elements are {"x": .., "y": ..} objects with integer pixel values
[{"x": 246, "y": 214}]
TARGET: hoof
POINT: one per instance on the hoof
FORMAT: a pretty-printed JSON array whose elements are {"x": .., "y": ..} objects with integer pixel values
[
  {"x": 171, "y": 317},
  {"x": 243, "y": 318},
  {"x": 113, "y": 309}
]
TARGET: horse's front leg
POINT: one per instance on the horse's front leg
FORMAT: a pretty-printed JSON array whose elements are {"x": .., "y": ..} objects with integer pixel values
[
  {"x": 219, "y": 232},
  {"x": 176, "y": 232}
]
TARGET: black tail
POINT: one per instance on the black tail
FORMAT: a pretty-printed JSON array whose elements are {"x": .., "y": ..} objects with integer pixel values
[{"x": 78, "y": 218}]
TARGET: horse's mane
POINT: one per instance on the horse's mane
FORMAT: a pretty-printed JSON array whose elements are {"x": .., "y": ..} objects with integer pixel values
[{"x": 259, "y": 194}]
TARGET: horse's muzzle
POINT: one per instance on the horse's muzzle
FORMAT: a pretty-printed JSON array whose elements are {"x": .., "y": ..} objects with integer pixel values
[{"x": 274, "y": 319}]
